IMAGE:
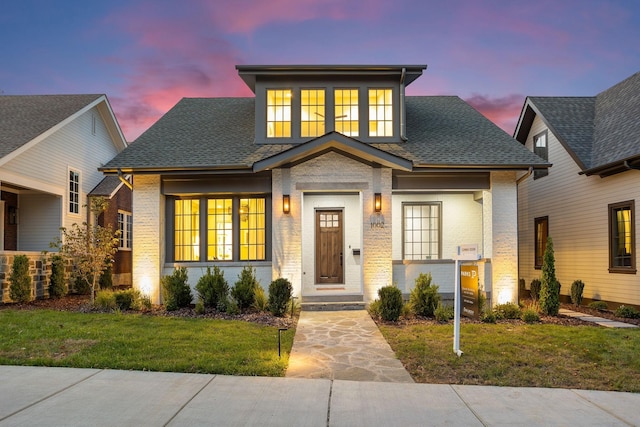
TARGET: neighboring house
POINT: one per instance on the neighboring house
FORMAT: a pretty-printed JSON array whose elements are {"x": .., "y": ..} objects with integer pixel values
[
  {"x": 586, "y": 203},
  {"x": 51, "y": 147},
  {"x": 330, "y": 177},
  {"x": 120, "y": 217}
]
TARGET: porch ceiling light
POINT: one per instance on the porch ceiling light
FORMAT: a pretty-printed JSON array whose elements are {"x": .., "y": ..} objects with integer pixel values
[
  {"x": 286, "y": 205},
  {"x": 377, "y": 202}
]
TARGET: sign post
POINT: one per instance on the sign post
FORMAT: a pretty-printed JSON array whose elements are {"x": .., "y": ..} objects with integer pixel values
[{"x": 465, "y": 253}]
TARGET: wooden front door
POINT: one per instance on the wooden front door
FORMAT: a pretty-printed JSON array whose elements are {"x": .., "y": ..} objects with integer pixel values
[{"x": 329, "y": 257}]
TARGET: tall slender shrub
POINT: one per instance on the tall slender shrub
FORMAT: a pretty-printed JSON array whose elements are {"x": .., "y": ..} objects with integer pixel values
[
  {"x": 20, "y": 290},
  {"x": 535, "y": 289},
  {"x": 212, "y": 287},
  {"x": 244, "y": 289},
  {"x": 57, "y": 286},
  {"x": 279, "y": 295},
  {"x": 577, "y": 288},
  {"x": 176, "y": 292},
  {"x": 550, "y": 287},
  {"x": 424, "y": 297}
]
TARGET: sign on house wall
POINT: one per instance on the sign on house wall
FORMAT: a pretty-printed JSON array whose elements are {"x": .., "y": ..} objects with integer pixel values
[{"x": 469, "y": 290}]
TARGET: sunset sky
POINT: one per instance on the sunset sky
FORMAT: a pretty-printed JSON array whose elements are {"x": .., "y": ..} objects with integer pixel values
[{"x": 146, "y": 55}]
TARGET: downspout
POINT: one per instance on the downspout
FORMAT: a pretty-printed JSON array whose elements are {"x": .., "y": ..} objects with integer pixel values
[
  {"x": 629, "y": 166},
  {"x": 518, "y": 181},
  {"x": 403, "y": 124},
  {"x": 124, "y": 180},
  {"x": 525, "y": 176}
]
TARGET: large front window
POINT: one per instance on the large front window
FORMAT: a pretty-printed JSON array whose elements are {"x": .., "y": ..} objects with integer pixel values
[
  {"x": 225, "y": 229},
  {"x": 312, "y": 117},
  {"x": 380, "y": 112},
  {"x": 346, "y": 111},
  {"x": 278, "y": 113},
  {"x": 187, "y": 230},
  {"x": 421, "y": 231},
  {"x": 622, "y": 238}
]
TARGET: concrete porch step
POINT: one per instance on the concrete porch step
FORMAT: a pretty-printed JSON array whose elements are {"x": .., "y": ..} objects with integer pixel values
[{"x": 333, "y": 306}]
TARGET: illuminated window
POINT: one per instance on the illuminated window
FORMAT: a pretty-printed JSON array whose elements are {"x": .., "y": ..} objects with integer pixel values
[
  {"x": 187, "y": 230},
  {"x": 125, "y": 225},
  {"x": 312, "y": 112},
  {"x": 219, "y": 229},
  {"x": 252, "y": 229},
  {"x": 74, "y": 192},
  {"x": 380, "y": 112},
  {"x": 346, "y": 111},
  {"x": 541, "y": 149},
  {"x": 278, "y": 113},
  {"x": 421, "y": 231},
  {"x": 622, "y": 257},
  {"x": 541, "y": 226}
]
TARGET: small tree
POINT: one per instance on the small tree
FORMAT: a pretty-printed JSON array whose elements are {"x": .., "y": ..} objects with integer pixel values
[
  {"x": 549, "y": 285},
  {"x": 212, "y": 288},
  {"x": 577, "y": 288},
  {"x": 243, "y": 290},
  {"x": 176, "y": 292},
  {"x": 424, "y": 297},
  {"x": 280, "y": 291},
  {"x": 90, "y": 246},
  {"x": 20, "y": 279}
]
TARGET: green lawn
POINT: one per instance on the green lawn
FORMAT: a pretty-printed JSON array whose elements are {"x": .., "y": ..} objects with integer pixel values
[
  {"x": 519, "y": 355},
  {"x": 141, "y": 342}
]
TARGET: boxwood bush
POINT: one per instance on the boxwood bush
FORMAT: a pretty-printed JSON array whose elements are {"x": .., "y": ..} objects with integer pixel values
[
  {"x": 390, "y": 303},
  {"x": 176, "y": 292},
  {"x": 279, "y": 296},
  {"x": 424, "y": 297}
]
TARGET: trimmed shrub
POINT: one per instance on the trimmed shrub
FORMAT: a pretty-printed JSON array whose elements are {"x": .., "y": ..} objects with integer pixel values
[
  {"x": 20, "y": 290},
  {"x": 443, "y": 313},
  {"x": 535, "y": 289},
  {"x": 598, "y": 305},
  {"x": 424, "y": 297},
  {"x": 81, "y": 285},
  {"x": 199, "y": 308},
  {"x": 280, "y": 291},
  {"x": 57, "y": 286},
  {"x": 577, "y": 287},
  {"x": 244, "y": 290},
  {"x": 212, "y": 287},
  {"x": 627, "y": 312},
  {"x": 261, "y": 302},
  {"x": 105, "y": 300},
  {"x": 390, "y": 303},
  {"x": 231, "y": 307},
  {"x": 374, "y": 308},
  {"x": 489, "y": 317},
  {"x": 127, "y": 299},
  {"x": 507, "y": 310},
  {"x": 550, "y": 289},
  {"x": 176, "y": 292},
  {"x": 530, "y": 315}
]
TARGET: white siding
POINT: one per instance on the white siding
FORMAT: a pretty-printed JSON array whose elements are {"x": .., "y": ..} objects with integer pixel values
[
  {"x": 577, "y": 207},
  {"x": 42, "y": 213},
  {"x": 73, "y": 146}
]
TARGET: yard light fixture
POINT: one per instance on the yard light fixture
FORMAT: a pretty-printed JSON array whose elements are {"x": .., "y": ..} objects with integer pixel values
[
  {"x": 286, "y": 205},
  {"x": 377, "y": 202}
]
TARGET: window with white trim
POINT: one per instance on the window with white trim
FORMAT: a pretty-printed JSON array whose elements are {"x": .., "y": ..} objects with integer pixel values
[
  {"x": 125, "y": 225},
  {"x": 74, "y": 191}
]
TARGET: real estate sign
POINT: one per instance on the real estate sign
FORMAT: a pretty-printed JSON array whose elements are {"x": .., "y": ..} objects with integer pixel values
[{"x": 469, "y": 290}]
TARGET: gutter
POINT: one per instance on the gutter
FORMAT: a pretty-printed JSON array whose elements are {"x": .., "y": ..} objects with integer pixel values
[
  {"x": 629, "y": 166},
  {"x": 525, "y": 176},
  {"x": 403, "y": 124}
]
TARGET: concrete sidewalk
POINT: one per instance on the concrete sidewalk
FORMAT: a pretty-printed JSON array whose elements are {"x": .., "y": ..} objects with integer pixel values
[{"x": 83, "y": 397}]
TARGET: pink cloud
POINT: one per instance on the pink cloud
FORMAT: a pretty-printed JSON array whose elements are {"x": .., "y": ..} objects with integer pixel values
[{"x": 503, "y": 111}]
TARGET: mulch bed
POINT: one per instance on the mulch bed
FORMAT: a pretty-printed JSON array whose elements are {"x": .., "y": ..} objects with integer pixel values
[{"x": 81, "y": 303}]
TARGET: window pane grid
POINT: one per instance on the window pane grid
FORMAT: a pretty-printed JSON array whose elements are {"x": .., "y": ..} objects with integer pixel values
[
  {"x": 187, "y": 230},
  {"x": 279, "y": 113},
  {"x": 312, "y": 112},
  {"x": 252, "y": 229},
  {"x": 220, "y": 229},
  {"x": 421, "y": 231},
  {"x": 346, "y": 111},
  {"x": 74, "y": 192},
  {"x": 380, "y": 112}
]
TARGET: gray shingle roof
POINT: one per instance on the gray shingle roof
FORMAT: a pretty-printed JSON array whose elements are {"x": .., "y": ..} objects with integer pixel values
[
  {"x": 599, "y": 131},
  {"x": 24, "y": 117},
  {"x": 106, "y": 187},
  {"x": 219, "y": 132}
]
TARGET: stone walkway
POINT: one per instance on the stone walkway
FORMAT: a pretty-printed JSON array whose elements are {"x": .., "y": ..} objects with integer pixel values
[
  {"x": 595, "y": 319},
  {"x": 343, "y": 345}
]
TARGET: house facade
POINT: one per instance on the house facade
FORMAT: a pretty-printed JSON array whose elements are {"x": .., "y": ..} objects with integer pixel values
[
  {"x": 330, "y": 177},
  {"x": 587, "y": 201},
  {"x": 51, "y": 147}
]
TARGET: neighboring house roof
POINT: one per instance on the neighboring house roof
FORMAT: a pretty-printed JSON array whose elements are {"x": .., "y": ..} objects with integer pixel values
[
  {"x": 218, "y": 134},
  {"x": 108, "y": 187},
  {"x": 601, "y": 133}
]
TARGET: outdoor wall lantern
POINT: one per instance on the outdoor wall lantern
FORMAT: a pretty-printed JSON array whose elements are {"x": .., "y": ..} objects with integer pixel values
[
  {"x": 286, "y": 205},
  {"x": 377, "y": 202}
]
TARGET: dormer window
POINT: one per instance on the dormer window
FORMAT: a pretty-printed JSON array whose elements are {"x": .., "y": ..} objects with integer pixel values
[
  {"x": 380, "y": 112},
  {"x": 312, "y": 114},
  {"x": 346, "y": 111},
  {"x": 279, "y": 113}
]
